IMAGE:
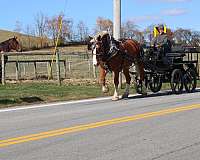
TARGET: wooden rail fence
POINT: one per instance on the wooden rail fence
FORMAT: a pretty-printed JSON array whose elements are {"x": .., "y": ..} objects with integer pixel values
[{"x": 31, "y": 58}]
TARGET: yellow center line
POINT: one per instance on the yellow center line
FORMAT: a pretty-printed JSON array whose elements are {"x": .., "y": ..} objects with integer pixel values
[{"x": 52, "y": 133}]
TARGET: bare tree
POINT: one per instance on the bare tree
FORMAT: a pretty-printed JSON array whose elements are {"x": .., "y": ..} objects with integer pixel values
[
  {"x": 196, "y": 38},
  {"x": 53, "y": 25},
  {"x": 182, "y": 36},
  {"x": 40, "y": 24},
  {"x": 18, "y": 27},
  {"x": 148, "y": 32},
  {"x": 82, "y": 31},
  {"x": 103, "y": 24},
  {"x": 128, "y": 29},
  {"x": 29, "y": 33}
]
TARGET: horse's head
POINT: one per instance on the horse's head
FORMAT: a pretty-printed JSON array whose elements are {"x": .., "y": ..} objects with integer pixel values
[
  {"x": 100, "y": 46},
  {"x": 14, "y": 44}
]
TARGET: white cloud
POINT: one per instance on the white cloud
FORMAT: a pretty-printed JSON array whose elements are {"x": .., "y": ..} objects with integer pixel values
[{"x": 174, "y": 12}]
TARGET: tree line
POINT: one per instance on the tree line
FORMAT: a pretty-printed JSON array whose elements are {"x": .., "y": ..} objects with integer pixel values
[{"x": 47, "y": 28}]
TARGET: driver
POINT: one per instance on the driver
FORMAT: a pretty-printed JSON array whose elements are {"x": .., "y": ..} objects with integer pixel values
[{"x": 161, "y": 43}]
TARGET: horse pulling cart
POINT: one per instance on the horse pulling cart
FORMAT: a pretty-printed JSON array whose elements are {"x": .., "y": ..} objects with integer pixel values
[
  {"x": 179, "y": 68},
  {"x": 153, "y": 66}
]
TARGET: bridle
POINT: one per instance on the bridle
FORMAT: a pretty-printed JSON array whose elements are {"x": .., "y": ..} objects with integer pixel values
[{"x": 102, "y": 54}]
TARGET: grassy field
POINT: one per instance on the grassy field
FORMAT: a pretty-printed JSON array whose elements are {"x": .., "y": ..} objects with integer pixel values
[
  {"x": 30, "y": 93},
  {"x": 33, "y": 93}
]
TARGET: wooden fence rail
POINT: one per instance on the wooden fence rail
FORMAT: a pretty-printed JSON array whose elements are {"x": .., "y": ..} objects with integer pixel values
[
  {"x": 37, "y": 57},
  {"x": 17, "y": 62}
]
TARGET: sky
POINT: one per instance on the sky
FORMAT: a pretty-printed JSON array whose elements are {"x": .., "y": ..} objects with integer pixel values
[{"x": 174, "y": 13}]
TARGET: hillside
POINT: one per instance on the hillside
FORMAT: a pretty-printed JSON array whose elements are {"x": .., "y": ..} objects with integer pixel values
[{"x": 26, "y": 41}]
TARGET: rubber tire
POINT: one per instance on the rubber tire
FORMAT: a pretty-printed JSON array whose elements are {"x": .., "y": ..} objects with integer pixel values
[
  {"x": 190, "y": 75},
  {"x": 176, "y": 73},
  {"x": 158, "y": 86}
]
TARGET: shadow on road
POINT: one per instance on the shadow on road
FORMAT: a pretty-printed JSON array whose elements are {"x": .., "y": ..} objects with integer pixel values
[{"x": 162, "y": 93}]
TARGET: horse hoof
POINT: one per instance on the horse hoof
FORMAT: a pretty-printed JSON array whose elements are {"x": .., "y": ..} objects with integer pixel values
[
  {"x": 144, "y": 94},
  {"x": 125, "y": 95},
  {"x": 115, "y": 98}
]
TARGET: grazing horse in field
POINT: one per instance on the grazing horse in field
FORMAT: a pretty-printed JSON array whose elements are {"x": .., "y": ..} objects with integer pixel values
[
  {"x": 9, "y": 45},
  {"x": 117, "y": 56}
]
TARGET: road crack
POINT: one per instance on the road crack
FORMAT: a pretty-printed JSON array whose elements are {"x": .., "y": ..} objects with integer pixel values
[{"x": 175, "y": 151}]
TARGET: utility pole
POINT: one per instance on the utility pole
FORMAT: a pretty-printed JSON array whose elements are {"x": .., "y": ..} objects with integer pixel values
[
  {"x": 117, "y": 18},
  {"x": 117, "y": 26}
]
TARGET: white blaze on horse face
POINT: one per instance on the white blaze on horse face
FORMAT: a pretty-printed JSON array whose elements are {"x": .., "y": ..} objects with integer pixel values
[{"x": 94, "y": 57}]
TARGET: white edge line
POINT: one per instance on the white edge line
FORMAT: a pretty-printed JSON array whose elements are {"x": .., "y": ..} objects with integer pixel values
[
  {"x": 16, "y": 108},
  {"x": 53, "y": 104}
]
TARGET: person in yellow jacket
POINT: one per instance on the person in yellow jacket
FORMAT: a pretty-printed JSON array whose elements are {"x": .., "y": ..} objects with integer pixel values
[{"x": 162, "y": 44}]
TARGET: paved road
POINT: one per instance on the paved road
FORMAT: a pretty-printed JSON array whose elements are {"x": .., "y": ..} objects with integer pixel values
[{"x": 123, "y": 132}]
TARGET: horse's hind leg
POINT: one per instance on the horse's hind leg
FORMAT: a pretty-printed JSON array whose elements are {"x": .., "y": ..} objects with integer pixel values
[
  {"x": 128, "y": 80},
  {"x": 140, "y": 74},
  {"x": 116, "y": 83},
  {"x": 103, "y": 72}
]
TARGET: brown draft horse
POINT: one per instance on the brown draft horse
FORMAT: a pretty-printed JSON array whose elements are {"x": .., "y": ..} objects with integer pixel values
[
  {"x": 117, "y": 56},
  {"x": 9, "y": 45}
]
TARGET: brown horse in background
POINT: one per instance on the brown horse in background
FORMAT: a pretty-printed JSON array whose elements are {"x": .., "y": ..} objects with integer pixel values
[
  {"x": 117, "y": 56},
  {"x": 10, "y": 45}
]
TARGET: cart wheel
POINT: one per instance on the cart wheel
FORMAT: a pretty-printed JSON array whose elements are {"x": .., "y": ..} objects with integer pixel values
[
  {"x": 177, "y": 81},
  {"x": 190, "y": 80},
  {"x": 155, "y": 83}
]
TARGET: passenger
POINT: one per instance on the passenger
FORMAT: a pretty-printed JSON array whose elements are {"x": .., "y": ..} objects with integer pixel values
[{"x": 161, "y": 43}]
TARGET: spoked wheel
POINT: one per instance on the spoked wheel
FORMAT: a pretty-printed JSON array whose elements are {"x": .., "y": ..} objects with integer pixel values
[
  {"x": 177, "y": 81},
  {"x": 155, "y": 83},
  {"x": 190, "y": 80}
]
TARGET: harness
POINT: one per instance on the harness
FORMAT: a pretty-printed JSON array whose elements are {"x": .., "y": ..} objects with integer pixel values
[{"x": 115, "y": 50}]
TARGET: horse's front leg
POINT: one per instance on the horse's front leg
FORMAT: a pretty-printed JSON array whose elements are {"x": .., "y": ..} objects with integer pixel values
[
  {"x": 103, "y": 73},
  {"x": 116, "y": 83}
]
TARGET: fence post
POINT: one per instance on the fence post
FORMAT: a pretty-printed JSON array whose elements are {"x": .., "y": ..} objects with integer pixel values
[
  {"x": 69, "y": 66},
  {"x": 65, "y": 68},
  {"x": 3, "y": 69},
  {"x": 17, "y": 71},
  {"x": 49, "y": 70},
  {"x": 35, "y": 69},
  {"x": 24, "y": 69},
  {"x": 58, "y": 68}
]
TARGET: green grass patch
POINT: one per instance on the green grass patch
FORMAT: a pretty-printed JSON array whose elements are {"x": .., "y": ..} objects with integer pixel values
[
  {"x": 32, "y": 93},
  {"x": 26, "y": 93}
]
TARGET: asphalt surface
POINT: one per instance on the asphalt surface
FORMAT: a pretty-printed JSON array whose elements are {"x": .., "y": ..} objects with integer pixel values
[{"x": 174, "y": 136}]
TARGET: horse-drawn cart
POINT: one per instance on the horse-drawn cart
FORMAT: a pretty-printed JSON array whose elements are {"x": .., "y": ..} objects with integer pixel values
[{"x": 179, "y": 68}]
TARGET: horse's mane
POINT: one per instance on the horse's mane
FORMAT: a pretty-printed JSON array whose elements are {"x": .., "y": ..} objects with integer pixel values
[
  {"x": 7, "y": 45},
  {"x": 101, "y": 33},
  {"x": 6, "y": 41}
]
